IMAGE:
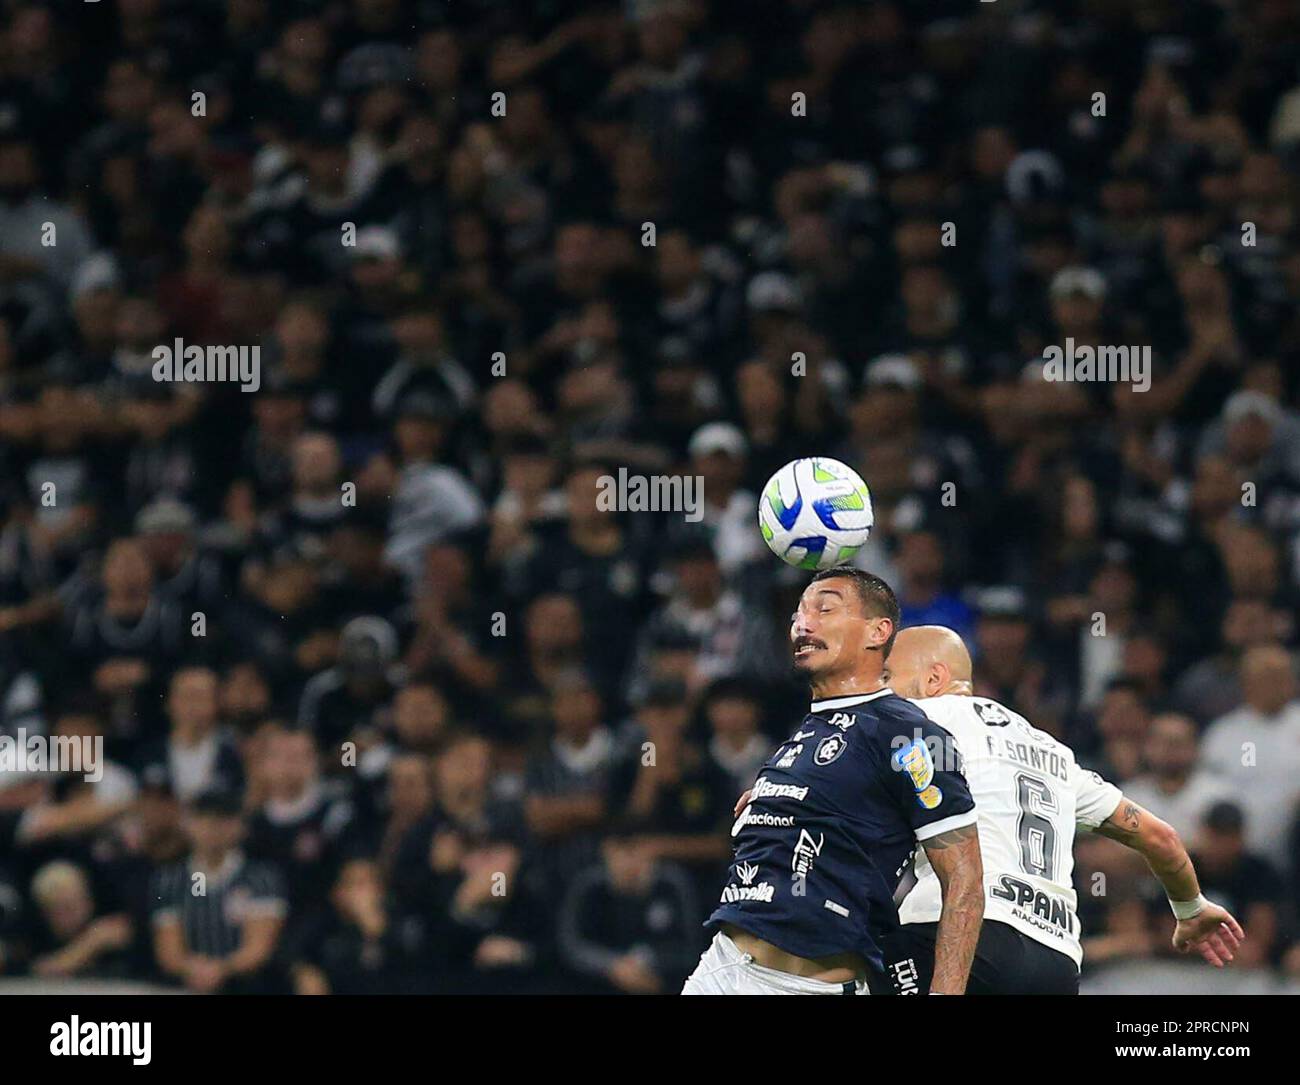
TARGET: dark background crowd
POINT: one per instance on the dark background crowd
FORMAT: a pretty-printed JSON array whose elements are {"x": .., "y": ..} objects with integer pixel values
[{"x": 363, "y": 651}]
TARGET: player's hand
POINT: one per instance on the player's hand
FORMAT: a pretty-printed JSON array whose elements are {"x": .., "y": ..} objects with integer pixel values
[
  {"x": 742, "y": 802},
  {"x": 1213, "y": 933}
]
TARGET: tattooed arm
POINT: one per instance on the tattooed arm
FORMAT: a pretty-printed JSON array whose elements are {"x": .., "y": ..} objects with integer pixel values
[
  {"x": 1206, "y": 927},
  {"x": 955, "y": 856}
]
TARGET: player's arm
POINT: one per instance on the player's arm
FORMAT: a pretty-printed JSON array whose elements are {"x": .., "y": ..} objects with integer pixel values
[
  {"x": 1202, "y": 926},
  {"x": 955, "y": 856}
]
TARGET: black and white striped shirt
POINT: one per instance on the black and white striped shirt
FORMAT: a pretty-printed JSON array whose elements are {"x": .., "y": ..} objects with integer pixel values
[{"x": 212, "y": 910}]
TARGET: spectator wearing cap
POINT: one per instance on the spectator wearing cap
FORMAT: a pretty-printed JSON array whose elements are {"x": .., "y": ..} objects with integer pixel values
[
  {"x": 217, "y": 916},
  {"x": 168, "y": 529},
  {"x": 1260, "y": 439},
  {"x": 1255, "y": 749},
  {"x": 345, "y": 699},
  {"x": 718, "y": 451},
  {"x": 95, "y": 294}
]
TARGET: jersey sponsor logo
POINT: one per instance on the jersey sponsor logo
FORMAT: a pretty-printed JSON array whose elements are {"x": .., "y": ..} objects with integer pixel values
[
  {"x": 765, "y": 789},
  {"x": 747, "y": 890},
  {"x": 799, "y": 736},
  {"x": 842, "y": 720},
  {"x": 829, "y": 748},
  {"x": 906, "y": 978},
  {"x": 838, "y": 909},
  {"x": 806, "y": 852},
  {"x": 1043, "y": 910},
  {"x": 749, "y": 816},
  {"x": 789, "y": 757},
  {"x": 915, "y": 760}
]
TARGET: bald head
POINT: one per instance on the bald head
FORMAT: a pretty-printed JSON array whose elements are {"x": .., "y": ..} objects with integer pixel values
[{"x": 929, "y": 660}]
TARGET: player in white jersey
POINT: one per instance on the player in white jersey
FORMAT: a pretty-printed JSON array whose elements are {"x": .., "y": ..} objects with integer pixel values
[{"x": 1030, "y": 795}]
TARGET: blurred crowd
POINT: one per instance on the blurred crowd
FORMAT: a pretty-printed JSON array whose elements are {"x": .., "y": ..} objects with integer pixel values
[{"x": 388, "y": 702}]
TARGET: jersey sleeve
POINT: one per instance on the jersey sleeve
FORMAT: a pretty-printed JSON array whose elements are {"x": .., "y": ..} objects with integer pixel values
[
  {"x": 1094, "y": 799},
  {"x": 928, "y": 780}
]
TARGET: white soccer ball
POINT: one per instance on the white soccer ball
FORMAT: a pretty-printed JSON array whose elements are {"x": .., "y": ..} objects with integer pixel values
[{"x": 815, "y": 513}]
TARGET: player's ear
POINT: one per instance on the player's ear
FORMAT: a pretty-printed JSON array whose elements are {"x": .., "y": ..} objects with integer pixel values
[{"x": 879, "y": 630}]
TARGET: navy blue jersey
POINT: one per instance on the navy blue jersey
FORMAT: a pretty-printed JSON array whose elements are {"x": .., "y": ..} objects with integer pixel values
[{"x": 833, "y": 822}]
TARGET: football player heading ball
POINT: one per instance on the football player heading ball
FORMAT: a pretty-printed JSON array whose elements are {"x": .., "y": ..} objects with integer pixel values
[{"x": 835, "y": 816}]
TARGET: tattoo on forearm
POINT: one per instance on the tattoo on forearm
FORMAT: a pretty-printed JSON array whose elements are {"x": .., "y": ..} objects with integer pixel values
[
  {"x": 951, "y": 837},
  {"x": 955, "y": 856}
]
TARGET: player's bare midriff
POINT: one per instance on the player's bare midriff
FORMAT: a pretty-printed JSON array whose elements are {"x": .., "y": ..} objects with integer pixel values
[{"x": 839, "y": 968}]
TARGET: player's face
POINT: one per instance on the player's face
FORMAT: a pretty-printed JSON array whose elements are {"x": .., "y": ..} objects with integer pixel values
[{"x": 828, "y": 631}]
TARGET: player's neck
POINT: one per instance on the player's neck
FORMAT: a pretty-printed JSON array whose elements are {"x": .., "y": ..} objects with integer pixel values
[{"x": 828, "y": 687}]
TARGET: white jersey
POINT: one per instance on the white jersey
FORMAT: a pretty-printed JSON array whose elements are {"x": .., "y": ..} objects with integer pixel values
[{"x": 1029, "y": 793}]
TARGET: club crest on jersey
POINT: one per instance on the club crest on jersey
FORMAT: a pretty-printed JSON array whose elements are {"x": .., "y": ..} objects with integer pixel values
[
  {"x": 915, "y": 760},
  {"x": 830, "y": 748}
]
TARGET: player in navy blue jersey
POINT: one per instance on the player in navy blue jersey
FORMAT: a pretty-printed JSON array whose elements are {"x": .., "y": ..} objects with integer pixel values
[{"x": 823, "y": 837}]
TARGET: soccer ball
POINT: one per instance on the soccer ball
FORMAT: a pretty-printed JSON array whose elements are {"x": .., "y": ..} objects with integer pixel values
[{"x": 815, "y": 513}]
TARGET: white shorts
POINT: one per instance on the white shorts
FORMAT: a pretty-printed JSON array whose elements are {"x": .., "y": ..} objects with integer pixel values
[{"x": 725, "y": 970}]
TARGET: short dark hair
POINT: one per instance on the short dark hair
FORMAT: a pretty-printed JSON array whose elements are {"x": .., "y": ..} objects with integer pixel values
[{"x": 877, "y": 597}]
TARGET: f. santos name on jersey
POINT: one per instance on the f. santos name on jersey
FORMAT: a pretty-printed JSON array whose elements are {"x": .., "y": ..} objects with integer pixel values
[{"x": 1031, "y": 755}]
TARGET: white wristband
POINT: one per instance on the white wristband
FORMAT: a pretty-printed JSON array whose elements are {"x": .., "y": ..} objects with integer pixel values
[{"x": 1188, "y": 909}]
